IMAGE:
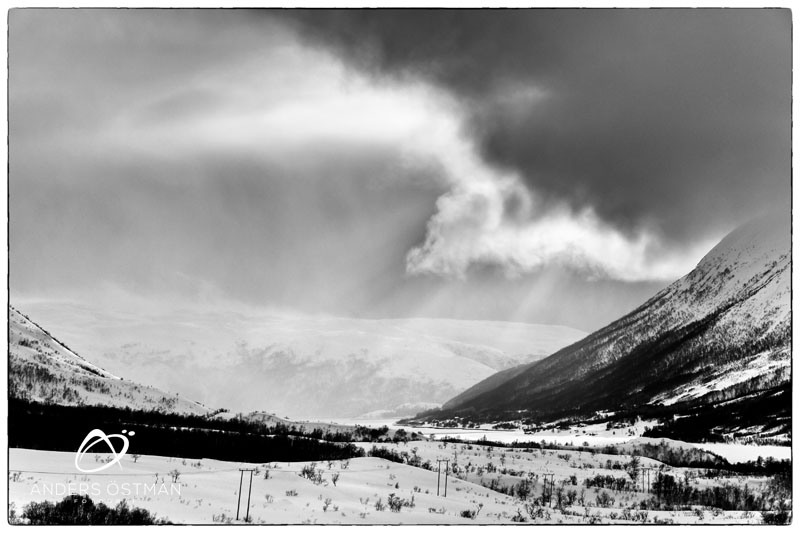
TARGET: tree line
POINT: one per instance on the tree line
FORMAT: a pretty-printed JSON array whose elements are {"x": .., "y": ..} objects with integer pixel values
[{"x": 62, "y": 428}]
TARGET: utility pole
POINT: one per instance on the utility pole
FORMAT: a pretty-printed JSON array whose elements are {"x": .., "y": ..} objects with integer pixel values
[
  {"x": 646, "y": 470},
  {"x": 439, "y": 474},
  {"x": 239, "y": 494},
  {"x": 446, "y": 474},
  {"x": 550, "y": 490},
  {"x": 249, "y": 490}
]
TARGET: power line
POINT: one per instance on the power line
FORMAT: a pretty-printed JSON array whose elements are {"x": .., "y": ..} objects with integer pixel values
[
  {"x": 273, "y": 470},
  {"x": 149, "y": 474}
]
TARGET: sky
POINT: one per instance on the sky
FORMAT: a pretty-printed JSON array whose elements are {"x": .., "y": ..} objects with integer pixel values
[{"x": 545, "y": 166}]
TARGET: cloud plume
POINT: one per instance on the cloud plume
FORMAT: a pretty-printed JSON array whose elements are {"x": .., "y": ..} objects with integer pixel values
[
  {"x": 489, "y": 218},
  {"x": 672, "y": 119},
  {"x": 453, "y": 163}
]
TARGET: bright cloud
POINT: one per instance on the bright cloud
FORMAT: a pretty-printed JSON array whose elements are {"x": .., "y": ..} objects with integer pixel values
[
  {"x": 489, "y": 217},
  {"x": 245, "y": 145},
  {"x": 486, "y": 217}
]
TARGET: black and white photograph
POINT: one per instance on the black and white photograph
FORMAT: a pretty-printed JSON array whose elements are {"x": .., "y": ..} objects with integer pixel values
[{"x": 443, "y": 265}]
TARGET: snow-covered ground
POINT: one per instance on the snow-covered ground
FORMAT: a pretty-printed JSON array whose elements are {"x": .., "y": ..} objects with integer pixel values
[
  {"x": 596, "y": 435},
  {"x": 570, "y": 469},
  {"x": 208, "y": 491},
  {"x": 591, "y": 434},
  {"x": 736, "y": 453}
]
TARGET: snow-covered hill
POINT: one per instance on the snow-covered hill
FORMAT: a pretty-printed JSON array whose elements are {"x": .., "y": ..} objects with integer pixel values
[
  {"x": 45, "y": 370},
  {"x": 720, "y": 333},
  {"x": 305, "y": 366}
]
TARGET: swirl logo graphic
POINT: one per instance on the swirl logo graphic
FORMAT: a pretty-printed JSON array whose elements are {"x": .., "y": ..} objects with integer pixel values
[{"x": 95, "y": 436}]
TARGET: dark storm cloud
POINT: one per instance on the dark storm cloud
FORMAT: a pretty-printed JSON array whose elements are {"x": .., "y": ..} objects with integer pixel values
[
  {"x": 183, "y": 153},
  {"x": 673, "y": 118}
]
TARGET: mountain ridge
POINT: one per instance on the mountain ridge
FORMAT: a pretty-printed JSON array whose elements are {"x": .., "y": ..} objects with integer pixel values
[
  {"x": 725, "y": 318},
  {"x": 43, "y": 369},
  {"x": 305, "y": 366}
]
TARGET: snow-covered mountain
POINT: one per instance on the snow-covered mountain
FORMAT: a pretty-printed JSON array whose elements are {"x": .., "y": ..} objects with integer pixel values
[
  {"x": 721, "y": 333},
  {"x": 305, "y": 366},
  {"x": 42, "y": 369}
]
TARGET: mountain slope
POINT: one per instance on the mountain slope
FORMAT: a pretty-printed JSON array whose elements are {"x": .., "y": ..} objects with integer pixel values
[
  {"x": 42, "y": 369},
  {"x": 303, "y": 366},
  {"x": 720, "y": 333}
]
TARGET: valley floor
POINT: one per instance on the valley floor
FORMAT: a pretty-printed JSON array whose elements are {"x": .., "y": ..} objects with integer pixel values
[
  {"x": 595, "y": 435},
  {"x": 206, "y": 491},
  {"x": 209, "y": 490}
]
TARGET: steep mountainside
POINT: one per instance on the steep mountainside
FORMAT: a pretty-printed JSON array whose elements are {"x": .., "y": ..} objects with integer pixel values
[
  {"x": 305, "y": 366},
  {"x": 42, "y": 369},
  {"x": 722, "y": 333}
]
